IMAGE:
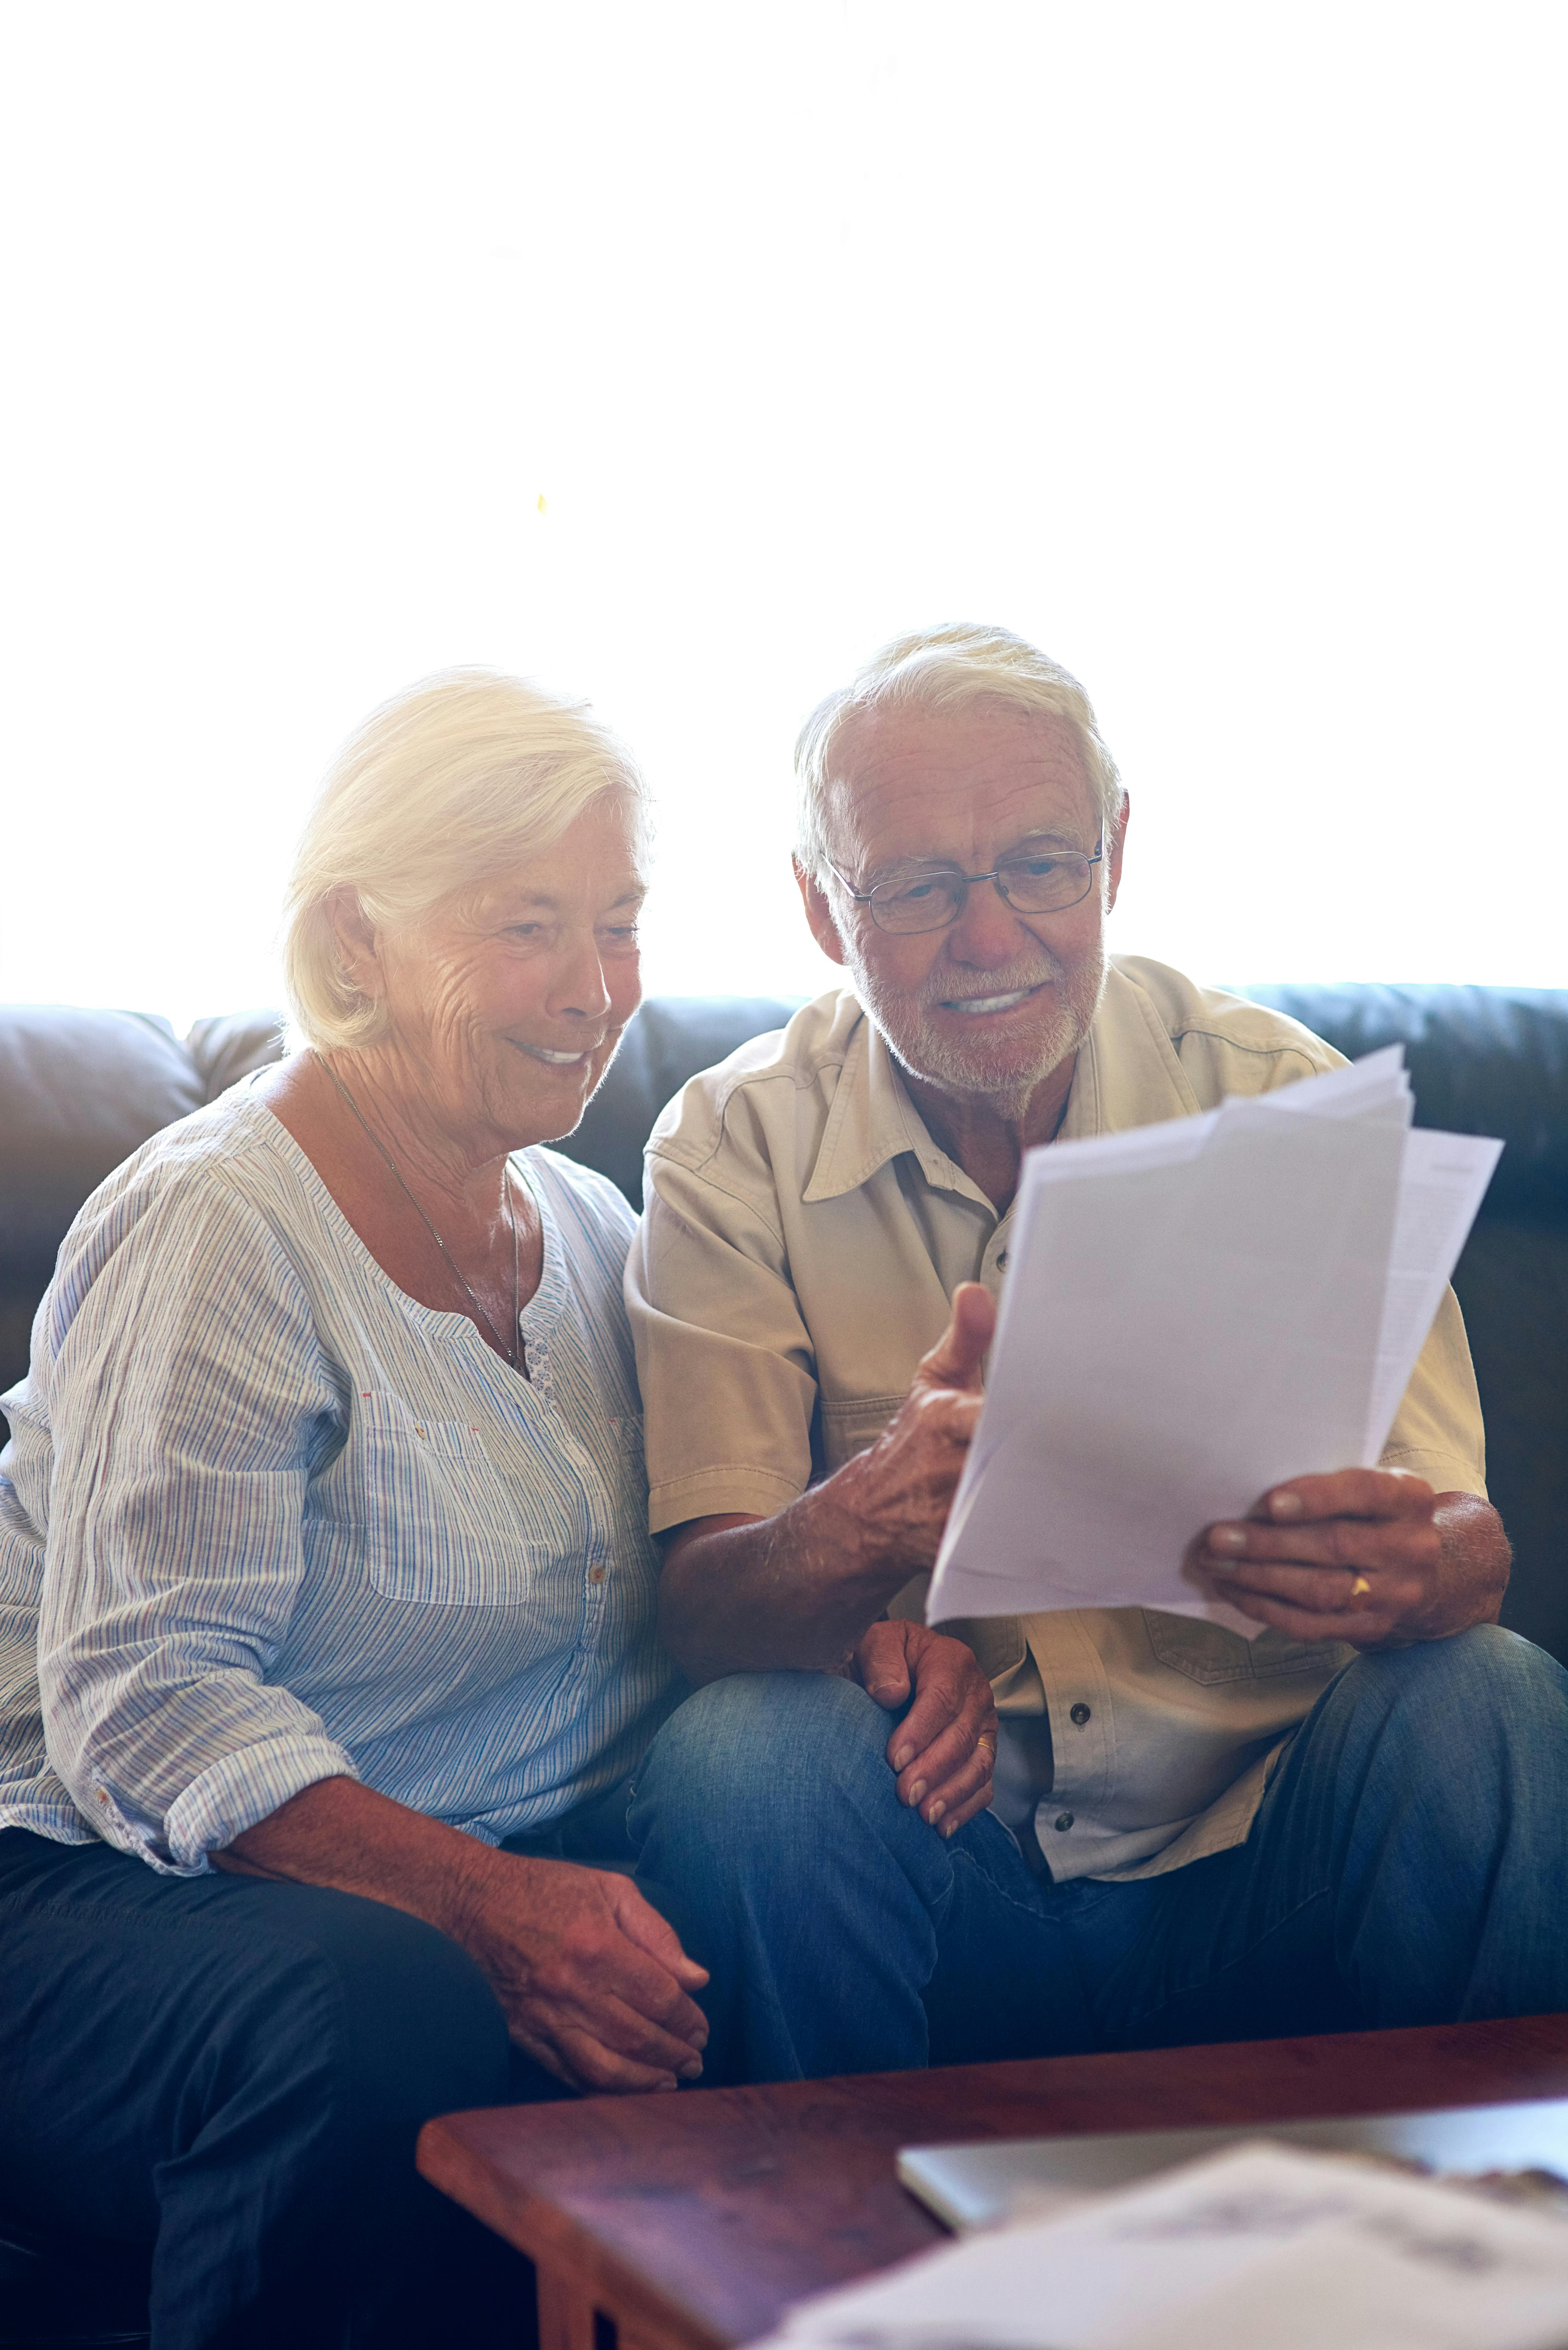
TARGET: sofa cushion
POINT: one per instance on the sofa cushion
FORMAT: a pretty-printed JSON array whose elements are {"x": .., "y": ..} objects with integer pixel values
[{"x": 79, "y": 1091}]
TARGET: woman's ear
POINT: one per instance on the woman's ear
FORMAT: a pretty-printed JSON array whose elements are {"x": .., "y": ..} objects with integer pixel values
[
  {"x": 820, "y": 914},
  {"x": 359, "y": 943}
]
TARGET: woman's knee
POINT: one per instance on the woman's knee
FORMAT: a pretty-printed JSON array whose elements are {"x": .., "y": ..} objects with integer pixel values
[{"x": 387, "y": 2017}]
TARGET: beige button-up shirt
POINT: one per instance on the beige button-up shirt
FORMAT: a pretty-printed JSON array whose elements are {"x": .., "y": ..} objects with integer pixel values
[{"x": 802, "y": 1240}]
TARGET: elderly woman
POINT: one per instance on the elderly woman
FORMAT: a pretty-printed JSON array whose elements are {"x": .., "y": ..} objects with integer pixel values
[{"x": 326, "y": 1493}]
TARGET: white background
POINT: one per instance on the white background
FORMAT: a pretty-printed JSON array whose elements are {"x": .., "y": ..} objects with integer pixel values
[{"x": 1218, "y": 349}]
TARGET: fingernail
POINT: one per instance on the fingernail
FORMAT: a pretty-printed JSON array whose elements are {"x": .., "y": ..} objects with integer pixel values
[
  {"x": 951, "y": 1828},
  {"x": 934, "y": 1814},
  {"x": 916, "y": 1793},
  {"x": 903, "y": 1758},
  {"x": 1227, "y": 1538},
  {"x": 692, "y": 2071},
  {"x": 1286, "y": 1506}
]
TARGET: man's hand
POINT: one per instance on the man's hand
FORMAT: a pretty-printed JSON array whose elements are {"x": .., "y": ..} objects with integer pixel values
[
  {"x": 1371, "y": 1556},
  {"x": 944, "y": 1750},
  {"x": 592, "y": 1981},
  {"x": 904, "y": 1485},
  {"x": 797, "y": 1591}
]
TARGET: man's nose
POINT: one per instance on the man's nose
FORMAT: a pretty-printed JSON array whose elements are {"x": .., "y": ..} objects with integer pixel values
[{"x": 988, "y": 934}]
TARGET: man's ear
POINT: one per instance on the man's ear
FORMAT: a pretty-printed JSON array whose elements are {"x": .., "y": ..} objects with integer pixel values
[
  {"x": 820, "y": 914},
  {"x": 1114, "y": 845},
  {"x": 359, "y": 947}
]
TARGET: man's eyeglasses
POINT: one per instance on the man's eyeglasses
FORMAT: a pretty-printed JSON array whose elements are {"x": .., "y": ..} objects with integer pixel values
[{"x": 930, "y": 901}]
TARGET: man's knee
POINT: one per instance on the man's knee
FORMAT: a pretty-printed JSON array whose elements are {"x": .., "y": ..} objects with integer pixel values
[
  {"x": 755, "y": 1749},
  {"x": 1466, "y": 1684},
  {"x": 1456, "y": 1723}
]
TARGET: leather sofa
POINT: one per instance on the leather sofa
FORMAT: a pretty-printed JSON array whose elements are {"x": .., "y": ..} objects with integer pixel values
[{"x": 79, "y": 1090}]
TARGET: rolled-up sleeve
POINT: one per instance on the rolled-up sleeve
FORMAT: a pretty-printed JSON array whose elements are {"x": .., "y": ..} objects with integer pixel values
[
  {"x": 723, "y": 1355},
  {"x": 1438, "y": 1431},
  {"x": 189, "y": 1402}
]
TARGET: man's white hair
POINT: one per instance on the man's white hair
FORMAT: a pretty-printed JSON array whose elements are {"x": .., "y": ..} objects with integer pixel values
[
  {"x": 944, "y": 668},
  {"x": 445, "y": 791}
]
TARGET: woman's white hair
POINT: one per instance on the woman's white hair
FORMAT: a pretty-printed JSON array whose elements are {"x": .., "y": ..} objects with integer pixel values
[
  {"x": 944, "y": 668},
  {"x": 444, "y": 791}
]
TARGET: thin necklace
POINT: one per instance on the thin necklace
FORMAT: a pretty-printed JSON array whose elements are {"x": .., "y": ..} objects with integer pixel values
[{"x": 517, "y": 1354}]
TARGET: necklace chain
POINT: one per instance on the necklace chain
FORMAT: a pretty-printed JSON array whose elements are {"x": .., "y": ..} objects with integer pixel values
[{"x": 515, "y": 1352}]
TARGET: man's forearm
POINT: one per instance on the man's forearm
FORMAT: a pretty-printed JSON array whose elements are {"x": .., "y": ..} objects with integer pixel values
[{"x": 793, "y": 1592}]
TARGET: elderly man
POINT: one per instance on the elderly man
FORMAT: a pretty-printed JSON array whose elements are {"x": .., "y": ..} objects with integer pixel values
[{"x": 1357, "y": 1817}]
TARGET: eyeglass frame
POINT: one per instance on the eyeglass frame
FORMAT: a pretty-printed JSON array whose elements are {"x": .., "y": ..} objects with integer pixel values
[{"x": 970, "y": 881}]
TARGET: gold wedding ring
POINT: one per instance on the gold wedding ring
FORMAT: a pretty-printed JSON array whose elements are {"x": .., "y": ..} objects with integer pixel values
[{"x": 1359, "y": 1586}]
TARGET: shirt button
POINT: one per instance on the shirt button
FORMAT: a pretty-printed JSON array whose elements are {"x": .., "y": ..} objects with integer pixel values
[
  {"x": 1064, "y": 1822},
  {"x": 595, "y": 1574},
  {"x": 1002, "y": 1262},
  {"x": 1080, "y": 1714}
]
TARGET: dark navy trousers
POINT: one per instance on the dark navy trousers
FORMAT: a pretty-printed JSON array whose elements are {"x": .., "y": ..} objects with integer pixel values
[{"x": 233, "y": 2073}]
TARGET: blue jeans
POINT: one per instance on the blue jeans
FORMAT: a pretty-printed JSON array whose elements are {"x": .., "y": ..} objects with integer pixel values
[{"x": 1409, "y": 1865}]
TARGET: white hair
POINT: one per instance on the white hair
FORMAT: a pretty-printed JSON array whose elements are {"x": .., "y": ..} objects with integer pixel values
[
  {"x": 445, "y": 790},
  {"x": 945, "y": 669}
]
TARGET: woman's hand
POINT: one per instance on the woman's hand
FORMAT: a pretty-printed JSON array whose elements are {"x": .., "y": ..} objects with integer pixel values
[
  {"x": 593, "y": 1982},
  {"x": 944, "y": 1750}
]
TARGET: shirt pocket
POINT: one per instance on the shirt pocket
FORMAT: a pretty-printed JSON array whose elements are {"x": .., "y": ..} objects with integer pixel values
[
  {"x": 1210, "y": 1654},
  {"x": 851, "y": 1423},
  {"x": 1276, "y": 1656},
  {"x": 626, "y": 1435},
  {"x": 438, "y": 1524}
]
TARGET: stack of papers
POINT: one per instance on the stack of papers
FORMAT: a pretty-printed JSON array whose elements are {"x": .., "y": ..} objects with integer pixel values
[
  {"x": 1261, "y": 2245},
  {"x": 1195, "y": 1311}
]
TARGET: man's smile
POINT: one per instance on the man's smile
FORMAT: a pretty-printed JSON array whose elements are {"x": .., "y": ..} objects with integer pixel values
[{"x": 974, "y": 1007}]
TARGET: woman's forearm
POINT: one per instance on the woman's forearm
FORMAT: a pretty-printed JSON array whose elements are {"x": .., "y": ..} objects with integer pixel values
[
  {"x": 591, "y": 1979},
  {"x": 340, "y": 1833}
]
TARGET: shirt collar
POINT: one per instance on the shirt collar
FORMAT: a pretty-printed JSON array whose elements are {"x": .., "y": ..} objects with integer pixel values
[
  {"x": 874, "y": 1121},
  {"x": 1128, "y": 1075}
]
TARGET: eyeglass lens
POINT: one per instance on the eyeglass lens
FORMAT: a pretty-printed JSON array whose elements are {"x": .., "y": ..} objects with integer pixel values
[{"x": 1034, "y": 885}]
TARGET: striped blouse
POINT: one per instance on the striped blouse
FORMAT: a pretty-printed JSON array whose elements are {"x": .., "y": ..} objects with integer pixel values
[{"x": 265, "y": 1520}]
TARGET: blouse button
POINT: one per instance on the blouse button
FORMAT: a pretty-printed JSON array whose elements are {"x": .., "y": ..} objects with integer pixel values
[
  {"x": 1063, "y": 1823},
  {"x": 595, "y": 1574},
  {"x": 1080, "y": 1714}
]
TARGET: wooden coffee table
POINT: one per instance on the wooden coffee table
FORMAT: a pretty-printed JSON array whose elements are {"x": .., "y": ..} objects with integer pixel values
[{"x": 689, "y": 2222}]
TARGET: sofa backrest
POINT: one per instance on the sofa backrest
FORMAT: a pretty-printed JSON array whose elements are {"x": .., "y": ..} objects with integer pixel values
[{"x": 80, "y": 1090}]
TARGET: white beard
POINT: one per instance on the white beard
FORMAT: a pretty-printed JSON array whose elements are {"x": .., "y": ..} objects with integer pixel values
[{"x": 1010, "y": 1069}]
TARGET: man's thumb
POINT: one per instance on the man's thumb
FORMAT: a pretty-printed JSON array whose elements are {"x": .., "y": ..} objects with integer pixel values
[{"x": 955, "y": 1360}]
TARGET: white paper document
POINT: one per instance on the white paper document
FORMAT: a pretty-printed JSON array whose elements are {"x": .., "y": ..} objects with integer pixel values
[
  {"x": 1262, "y": 2245},
  {"x": 1194, "y": 1312}
]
